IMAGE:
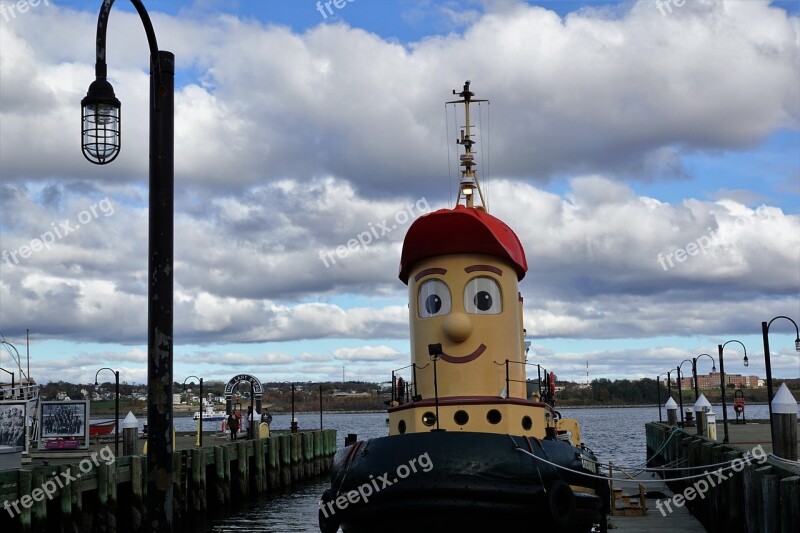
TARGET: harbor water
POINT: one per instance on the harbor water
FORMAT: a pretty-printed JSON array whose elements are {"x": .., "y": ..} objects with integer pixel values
[{"x": 615, "y": 434}]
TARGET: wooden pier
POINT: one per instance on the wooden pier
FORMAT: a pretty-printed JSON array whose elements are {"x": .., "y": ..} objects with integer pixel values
[
  {"x": 651, "y": 518},
  {"x": 80, "y": 495},
  {"x": 754, "y": 493}
]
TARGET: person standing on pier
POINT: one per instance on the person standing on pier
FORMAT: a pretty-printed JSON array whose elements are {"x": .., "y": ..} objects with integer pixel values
[{"x": 233, "y": 424}]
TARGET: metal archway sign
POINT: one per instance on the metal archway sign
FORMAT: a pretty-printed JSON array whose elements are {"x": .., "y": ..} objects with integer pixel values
[{"x": 255, "y": 385}]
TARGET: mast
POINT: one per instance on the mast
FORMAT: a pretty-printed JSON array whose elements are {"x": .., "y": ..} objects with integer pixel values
[{"x": 469, "y": 176}]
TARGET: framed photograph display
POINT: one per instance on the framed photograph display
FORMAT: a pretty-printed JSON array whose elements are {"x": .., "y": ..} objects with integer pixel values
[
  {"x": 64, "y": 425},
  {"x": 13, "y": 424}
]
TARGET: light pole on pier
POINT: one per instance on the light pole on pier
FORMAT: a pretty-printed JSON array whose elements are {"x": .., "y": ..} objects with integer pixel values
[
  {"x": 694, "y": 372},
  {"x": 720, "y": 350},
  {"x": 200, "y": 431},
  {"x": 116, "y": 406},
  {"x": 680, "y": 387},
  {"x": 101, "y": 135}
]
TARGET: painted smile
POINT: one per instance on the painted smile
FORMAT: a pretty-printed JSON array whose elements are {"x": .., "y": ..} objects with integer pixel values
[{"x": 465, "y": 358}]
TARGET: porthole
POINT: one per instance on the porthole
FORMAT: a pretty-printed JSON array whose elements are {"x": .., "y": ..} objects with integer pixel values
[
  {"x": 461, "y": 417},
  {"x": 527, "y": 423},
  {"x": 428, "y": 418},
  {"x": 401, "y": 427},
  {"x": 494, "y": 416}
]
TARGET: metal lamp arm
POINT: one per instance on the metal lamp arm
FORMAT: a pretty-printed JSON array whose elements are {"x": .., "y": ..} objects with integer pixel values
[{"x": 100, "y": 68}]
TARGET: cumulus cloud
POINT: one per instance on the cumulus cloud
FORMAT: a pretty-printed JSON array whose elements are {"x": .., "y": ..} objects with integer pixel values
[
  {"x": 561, "y": 84},
  {"x": 284, "y": 158},
  {"x": 367, "y": 353}
]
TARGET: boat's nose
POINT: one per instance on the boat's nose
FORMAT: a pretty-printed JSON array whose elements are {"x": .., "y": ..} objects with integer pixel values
[{"x": 458, "y": 327}]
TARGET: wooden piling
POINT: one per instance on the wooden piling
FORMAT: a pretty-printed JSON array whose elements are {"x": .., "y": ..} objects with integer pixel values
[
  {"x": 226, "y": 465},
  {"x": 762, "y": 505},
  {"x": 242, "y": 481},
  {"x": 218, "y": 492},
  {"x": 39, "y": 509},
  {"x": 771, "y": 491},
  {"x": 784, "y": 424},
  {"x": 260, "y": 473},
  {"x": 24, "y": 490},
  {"x": 784, "y": 435},
  {"x": 734, "y": 499},
  {"x": 308, "y": 455},
  {"x": 138, "y": 483},
  {"x": 197, "y": 490},
  {"x": 178, "y": 497},
  {"x": 318, "y": 438},
  {"x": 751, "y": 496},
  {"x": 111, "y": 479},
  {"x": 296, "y": 443},
  {"x": 790, "y": 504},
  {"x": 273, "y": 463},
  {"x": 286, "y": 460},
  {"x": 101, "y": 505}
]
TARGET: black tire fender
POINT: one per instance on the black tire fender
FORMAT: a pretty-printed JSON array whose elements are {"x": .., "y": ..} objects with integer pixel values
[{"x": 561, "y": 501}]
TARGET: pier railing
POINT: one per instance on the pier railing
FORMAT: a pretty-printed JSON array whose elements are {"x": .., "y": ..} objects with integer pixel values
[{"x": 744, "y": 491}]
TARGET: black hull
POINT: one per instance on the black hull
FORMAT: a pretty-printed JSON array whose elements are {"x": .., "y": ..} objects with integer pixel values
[{"x": 462, "y": 481}]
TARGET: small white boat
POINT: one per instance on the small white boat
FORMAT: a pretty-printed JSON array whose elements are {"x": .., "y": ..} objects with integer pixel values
[{"x": 211, "y": 415}]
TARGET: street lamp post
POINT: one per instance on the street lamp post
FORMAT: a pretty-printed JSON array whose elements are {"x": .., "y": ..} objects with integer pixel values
[
  {"x": 720, "y": 349},
  {"x": 765, "y": 334},
  {"x": 658, "y": 394},
  {"x": 101, "y": 136},
  {"x": 680, "y": 388},
  {"x": 116, "y": 406},
  {"x": 694, "y": 372},
  {"x": 669, "y": 384},
  {"x": 200, "y": 431}
]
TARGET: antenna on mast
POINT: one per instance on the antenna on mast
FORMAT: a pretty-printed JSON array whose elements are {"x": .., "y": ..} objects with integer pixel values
[{"x": 469, "y": 176}]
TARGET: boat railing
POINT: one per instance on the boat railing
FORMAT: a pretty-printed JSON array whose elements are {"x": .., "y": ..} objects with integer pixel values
[
  {"x": 408, "y": 392},
  {"x": 19, "y": 391},
  {"x": 543, "y": 391}
]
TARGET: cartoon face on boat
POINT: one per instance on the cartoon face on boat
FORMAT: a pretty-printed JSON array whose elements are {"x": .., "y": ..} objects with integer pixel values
[{"x": 462, "y": 267}]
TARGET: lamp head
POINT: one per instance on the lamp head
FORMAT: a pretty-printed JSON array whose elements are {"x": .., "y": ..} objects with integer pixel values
[
  {"x": 435, "y": 350},
  {"x": 95, "y": 383},
  {"x": 746, "y": 362},
  {"x": 100, "y": 123},
  {"x": 797, "y": 344},
  {"x": 714, "y": 367}
]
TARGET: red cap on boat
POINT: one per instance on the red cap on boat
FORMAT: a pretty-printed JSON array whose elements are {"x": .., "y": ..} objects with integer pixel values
[{"x": 457, "y": 231}]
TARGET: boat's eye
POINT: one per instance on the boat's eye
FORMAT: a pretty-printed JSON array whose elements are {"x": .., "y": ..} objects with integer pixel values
[
  {"x": 434, "y": 299},
  {"x": 482, "y": 296}
]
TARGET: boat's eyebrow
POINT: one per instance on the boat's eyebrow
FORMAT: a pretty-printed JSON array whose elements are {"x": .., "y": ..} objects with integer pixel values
[
  {"x": 429, "y": 271},
  {"x": 485, "y": 268}
]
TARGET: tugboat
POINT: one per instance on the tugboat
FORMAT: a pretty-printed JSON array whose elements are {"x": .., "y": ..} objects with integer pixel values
[{"x": 467, "y": 449}]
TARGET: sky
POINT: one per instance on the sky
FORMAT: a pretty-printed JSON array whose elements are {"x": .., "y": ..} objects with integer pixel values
[{"x": 647, "y": 154}]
